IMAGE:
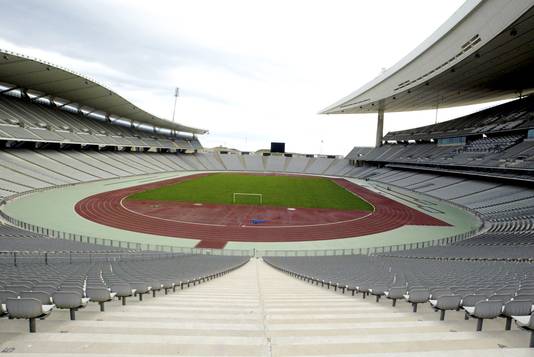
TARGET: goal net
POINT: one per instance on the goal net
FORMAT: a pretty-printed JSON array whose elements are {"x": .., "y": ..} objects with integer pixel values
[{"x": 247, "y": 198}]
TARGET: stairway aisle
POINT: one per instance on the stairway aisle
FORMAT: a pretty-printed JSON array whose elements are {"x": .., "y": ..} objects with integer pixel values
[{"x": 254, "y": 311}]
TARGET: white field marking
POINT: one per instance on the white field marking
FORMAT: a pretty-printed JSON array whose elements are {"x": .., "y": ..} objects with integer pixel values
[
  {"x": 167, "y": 219},
  {"x": 243, "y": 225},
  {"x": 311, "y": 225},
  {"x": 259, "y": 226},
  {"x": 361, "y": 198},
  {"x": 331, "y": 223}
]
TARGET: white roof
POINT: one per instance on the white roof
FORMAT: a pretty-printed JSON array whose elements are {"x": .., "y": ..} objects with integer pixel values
[
  {"x": 483, "y": 52},
  {"x": 20, "y": 71}
]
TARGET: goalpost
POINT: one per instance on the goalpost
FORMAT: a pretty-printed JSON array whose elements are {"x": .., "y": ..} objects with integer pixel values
[{"x": 237, "y": 194}]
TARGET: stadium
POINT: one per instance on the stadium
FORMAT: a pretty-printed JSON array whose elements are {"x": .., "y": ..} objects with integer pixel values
[{"x": 121, "y": 234}]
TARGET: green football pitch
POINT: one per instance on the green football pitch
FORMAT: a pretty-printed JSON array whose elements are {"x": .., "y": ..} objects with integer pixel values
[{"x": 280, "y": 191}]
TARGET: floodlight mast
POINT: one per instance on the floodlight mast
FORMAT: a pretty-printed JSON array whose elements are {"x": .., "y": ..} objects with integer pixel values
[{"x": 176, "y": 95}]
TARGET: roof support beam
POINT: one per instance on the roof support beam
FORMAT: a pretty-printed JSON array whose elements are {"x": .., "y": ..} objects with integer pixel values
[
  {"x": 380, "y": 125},
  {"x": 40, "y": 96},
  {"x": 90, "y": 112},
  {"x": 9, "y": 89},
  {"x": 64, "y": 104}
]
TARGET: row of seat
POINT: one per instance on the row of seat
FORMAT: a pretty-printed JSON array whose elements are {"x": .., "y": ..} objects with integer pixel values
[
  {"x": 513, "y": 115},
  {"x": 16, "y": 239},
  {"x": 32, "y": 291},
  {"x": 36, "y": 120},
  {"x": 483, "y": 290}
]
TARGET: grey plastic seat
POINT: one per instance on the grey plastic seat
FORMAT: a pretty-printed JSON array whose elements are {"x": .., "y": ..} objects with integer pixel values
[
  {"x": 516, "y": 308},
  {"x": 525, "y": 291},
  {"x": 18, "y": 288},
  {"x": 416, "y": 296},
  {"x": 501, "y": 297},
  {"x": 378, "y": 290},
  {"x": 50, "y": 289},
  {"x": 71, "y": 300},
  {"x": 485, "y": 291},
  {"x": 471, "y": 301},
  {"x": 395, "y": 293},
  {"x": 43, "y": 297},
  {"x": 444, "y": 303},
  {"x": 99, "y": 295},
  {"x": 155, "y": 286},
  {"x": 123, "y": 290},
  {"x": 485, "y": 310},
  {"x": 506, "y": 291},
  {"x": 27, "y": 308},
  {"x": 140, "y": 288},
  {"x": 526, "y": 323},
  {"x": 436, "y": 293},
  {"x": 363, "y": 288},
  {"x": 5, "y": 294},
  {"x": 76, "y": 288},
  {"x": 464, "y": 292},
  {"x": 167, "y": 285}
]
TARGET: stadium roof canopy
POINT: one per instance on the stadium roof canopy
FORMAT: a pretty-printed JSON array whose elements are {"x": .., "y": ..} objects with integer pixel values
[
  {"x": 483, "y": 52},
  {"x": 21, "y": 72}
]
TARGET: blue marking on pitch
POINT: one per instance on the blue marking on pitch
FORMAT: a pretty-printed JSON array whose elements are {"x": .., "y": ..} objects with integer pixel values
[{"x": 258, "y": 221}]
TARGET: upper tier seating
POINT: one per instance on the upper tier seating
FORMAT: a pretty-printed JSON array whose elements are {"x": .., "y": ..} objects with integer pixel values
[
  {"x": 36, "y": 121},
  {"x": 515, "y": 115},
  {"x": 508, "y": 152},
  {"x": 497, "y": 139}
]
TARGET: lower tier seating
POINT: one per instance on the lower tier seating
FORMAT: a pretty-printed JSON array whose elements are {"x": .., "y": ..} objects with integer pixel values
[
  {"x": 483, "y": 290},
  {"x": 30, "y": 291}
]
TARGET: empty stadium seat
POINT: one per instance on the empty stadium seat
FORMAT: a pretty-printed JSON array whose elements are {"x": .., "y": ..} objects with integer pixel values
[
  {"x": 527, "y": 323},
  {"x": 446, "y": 302},
  {"x": 27, "y": 308},
  {"x": 516, "y": 308},
  {"x": 71, "y": 300},
  {"x": 484, "y": 310}
]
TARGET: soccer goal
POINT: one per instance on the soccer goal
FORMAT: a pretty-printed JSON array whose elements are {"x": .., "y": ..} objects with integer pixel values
[{"x": 237, "y": 195}]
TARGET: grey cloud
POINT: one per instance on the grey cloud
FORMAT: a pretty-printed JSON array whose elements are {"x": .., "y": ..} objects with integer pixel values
[{"x": 110, "y": 34}]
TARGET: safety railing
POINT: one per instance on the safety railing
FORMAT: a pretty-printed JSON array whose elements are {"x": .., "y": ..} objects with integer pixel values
[
  {"x": 78, "y": 257},
  {"x": 368, "y": 250}
]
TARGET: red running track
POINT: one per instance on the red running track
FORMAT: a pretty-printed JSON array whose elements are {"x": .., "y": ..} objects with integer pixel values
[{"x": 216, "y": 225}]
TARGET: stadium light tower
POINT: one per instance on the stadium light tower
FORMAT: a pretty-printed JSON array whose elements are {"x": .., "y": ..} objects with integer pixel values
[{"x": 176, "y": 95}]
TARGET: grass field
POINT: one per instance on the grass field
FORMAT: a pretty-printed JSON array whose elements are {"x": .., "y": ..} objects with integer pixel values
[{"x": 281, "y": 191}]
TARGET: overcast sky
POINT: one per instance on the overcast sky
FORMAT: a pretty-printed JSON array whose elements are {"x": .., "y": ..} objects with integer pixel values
[{"x": 250, "y": 72}]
